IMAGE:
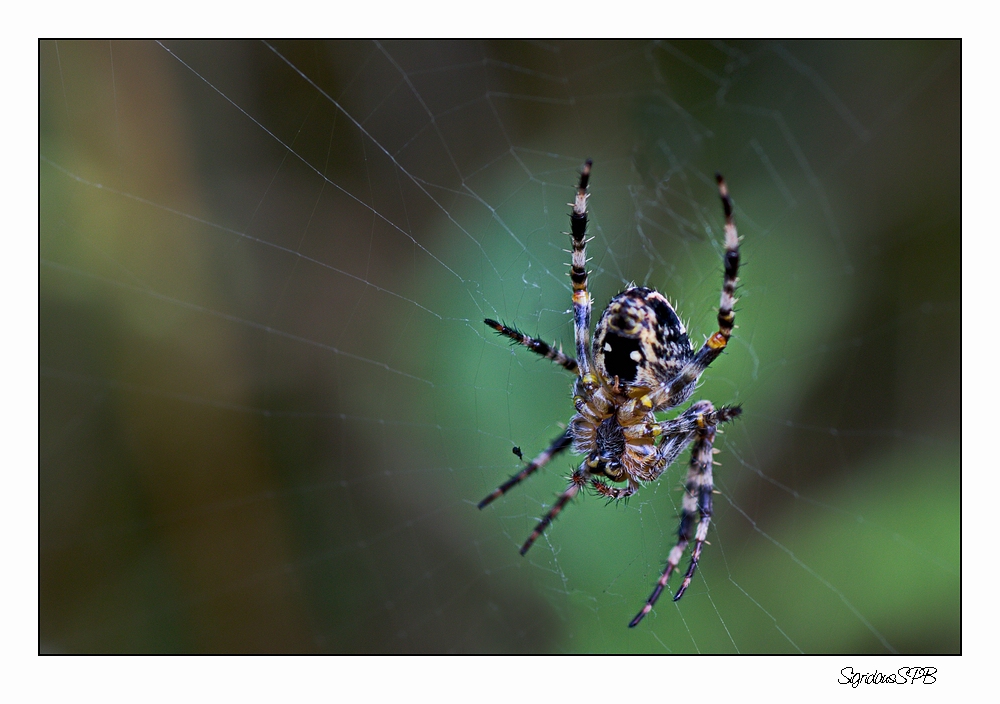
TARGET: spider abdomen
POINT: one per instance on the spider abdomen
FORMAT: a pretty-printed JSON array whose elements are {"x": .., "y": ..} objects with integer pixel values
[{"x": 639, "y": 340}]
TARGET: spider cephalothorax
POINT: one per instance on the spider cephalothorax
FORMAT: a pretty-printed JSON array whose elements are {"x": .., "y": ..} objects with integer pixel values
[{"x": 641, "y": 363}]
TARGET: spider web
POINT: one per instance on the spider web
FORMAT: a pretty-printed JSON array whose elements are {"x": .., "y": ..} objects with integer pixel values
[{"x": 269, "y": 404}]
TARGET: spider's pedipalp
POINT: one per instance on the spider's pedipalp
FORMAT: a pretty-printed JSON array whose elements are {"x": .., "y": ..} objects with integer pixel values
[{"x": 613, "y": 493}]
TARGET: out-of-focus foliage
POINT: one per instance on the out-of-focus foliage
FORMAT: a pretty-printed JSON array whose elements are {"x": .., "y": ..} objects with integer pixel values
[{"x": 269, "y": 405}]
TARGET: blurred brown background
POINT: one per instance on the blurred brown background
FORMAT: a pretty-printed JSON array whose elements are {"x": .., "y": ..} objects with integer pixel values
[{"x": 269, "y": 404}]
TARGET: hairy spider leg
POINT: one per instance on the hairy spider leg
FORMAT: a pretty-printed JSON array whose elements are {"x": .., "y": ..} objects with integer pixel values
[
  {"x": 558, "y": 445},
  {"x": 576, "y": 482},
  {"x": 578, "y": 275},
  {"x": 697, "y": 499},
  {"x": 697, "y": 417},
  {"x": 678, "y": 433},
  {"x": 535, "y": 345},
  {"x": 699, "y": 481},
  {"x": 713, "y": 347}
]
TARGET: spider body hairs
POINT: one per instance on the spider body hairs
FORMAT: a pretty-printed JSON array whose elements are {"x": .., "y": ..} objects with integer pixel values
[{"x": 641, "y": 363}]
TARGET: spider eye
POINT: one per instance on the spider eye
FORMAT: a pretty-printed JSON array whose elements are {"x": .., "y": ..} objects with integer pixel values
[{"x": 621, "y": 357}]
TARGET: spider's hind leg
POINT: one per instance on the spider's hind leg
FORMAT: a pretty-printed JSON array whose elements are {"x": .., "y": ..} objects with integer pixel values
[
  {"x": 578, "y": 275},
  {"x": 671, "y": 392}
]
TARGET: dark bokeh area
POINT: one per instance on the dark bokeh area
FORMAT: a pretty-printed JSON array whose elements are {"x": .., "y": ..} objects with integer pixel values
[{"x": 269, "y": 406}]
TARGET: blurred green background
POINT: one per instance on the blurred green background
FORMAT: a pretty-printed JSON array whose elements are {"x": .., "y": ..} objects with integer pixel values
[{"x": 269, "y": 404}]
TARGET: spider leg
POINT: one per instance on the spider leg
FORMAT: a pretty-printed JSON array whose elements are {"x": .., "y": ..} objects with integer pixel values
[
  {"x": 678, "y": 433},
  {"x": 698, "y": 416},
  {"x": 700, "y": 481},
  {"x": 578, "y": 275},
  {"x": 576, "y": 482},
  {"x": 535, "y": 345},
  {"x": 697, "y": 499},
  {"x": 558, "y": 445},
  {"x": 714, "y": 345}
]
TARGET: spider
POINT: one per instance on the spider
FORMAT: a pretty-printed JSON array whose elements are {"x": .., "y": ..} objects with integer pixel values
[{"x": 641, "y": 363}]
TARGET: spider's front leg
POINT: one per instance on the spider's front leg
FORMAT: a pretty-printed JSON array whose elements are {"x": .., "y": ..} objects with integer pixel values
[
  {"x": 697, "y": 494},
  {"x": 558, "y": 445},
  {"x": 576, "y": 482},
  {"x": 697, "y": 500},
  {"x": 700, "y": 415}
]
